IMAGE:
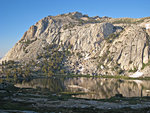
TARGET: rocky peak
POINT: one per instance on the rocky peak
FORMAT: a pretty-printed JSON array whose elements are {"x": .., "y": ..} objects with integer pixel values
[
  {"x": 77, "y": 14},
  {"x": 97, "y": 47}
]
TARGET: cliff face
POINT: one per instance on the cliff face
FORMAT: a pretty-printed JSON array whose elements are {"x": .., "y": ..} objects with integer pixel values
[
  {"x": 131, "y": 48},
  {"x": 97, "y": 45}
]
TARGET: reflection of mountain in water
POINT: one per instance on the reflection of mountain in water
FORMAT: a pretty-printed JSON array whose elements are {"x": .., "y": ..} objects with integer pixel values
[
  {"x": 105, "y": 88},
  {"x": 95, "y": 88}
]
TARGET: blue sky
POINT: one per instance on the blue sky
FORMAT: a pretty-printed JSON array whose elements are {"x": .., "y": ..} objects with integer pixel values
[{"x": 16, "y": 16}]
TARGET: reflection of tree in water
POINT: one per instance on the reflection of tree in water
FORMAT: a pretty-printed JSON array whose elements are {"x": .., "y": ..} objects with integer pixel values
[{"x": 52, "y": 84}]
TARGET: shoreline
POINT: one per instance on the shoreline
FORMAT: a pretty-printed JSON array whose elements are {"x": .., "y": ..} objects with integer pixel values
[
  {"x": 27, "y": 99},
  {"x": 37, "y": 100}
]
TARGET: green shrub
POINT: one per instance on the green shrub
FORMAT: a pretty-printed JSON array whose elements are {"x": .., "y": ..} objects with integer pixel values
[
  {"x": 134, "y": 70},
  {"x": 70, "y": 46},
  {"x": 130, "y": 62},
  {"x": 144, "y": 65},
  {"x": 79, "y": 55},
  {"x": 120, "y": 71}
]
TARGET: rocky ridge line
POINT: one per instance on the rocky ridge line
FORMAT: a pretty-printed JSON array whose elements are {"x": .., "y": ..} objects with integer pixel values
[{"x": 97, "y": 45}]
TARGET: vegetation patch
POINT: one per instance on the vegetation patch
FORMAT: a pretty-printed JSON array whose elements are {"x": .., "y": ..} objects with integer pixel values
[
  {"x": 79, "y": 55},
  {"x": 129, "y": 20},
  {"x": 144, "y": 65},
  {"x": 133, "y": 70},
  {"x": 50, "y": 62}
]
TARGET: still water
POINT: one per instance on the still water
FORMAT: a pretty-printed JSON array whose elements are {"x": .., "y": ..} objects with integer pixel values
[{"x": 93, "y": 88}]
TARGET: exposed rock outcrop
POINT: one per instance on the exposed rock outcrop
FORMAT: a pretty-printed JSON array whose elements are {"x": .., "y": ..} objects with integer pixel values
[
  {"x": 97, "y": 47},
  {"x": 130, "y": 49}
]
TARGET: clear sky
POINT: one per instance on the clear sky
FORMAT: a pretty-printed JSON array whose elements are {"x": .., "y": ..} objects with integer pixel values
[{"x": 16, "y": 16}]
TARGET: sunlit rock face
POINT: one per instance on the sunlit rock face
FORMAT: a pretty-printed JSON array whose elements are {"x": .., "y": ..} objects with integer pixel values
[
  {"x": 99, "y": 46},
  {"x": 147, "y": 26},
  {"x": 92, "y": 88},
  {"x": 83, "y": 38}
]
